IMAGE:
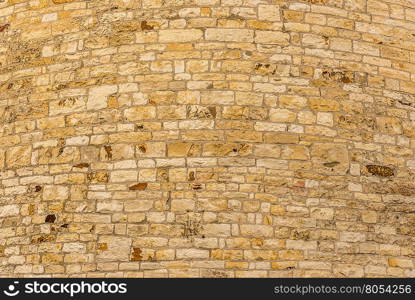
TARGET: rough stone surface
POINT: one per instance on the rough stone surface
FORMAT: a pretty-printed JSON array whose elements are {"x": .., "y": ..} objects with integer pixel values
[{"x": 207, "y": 138}]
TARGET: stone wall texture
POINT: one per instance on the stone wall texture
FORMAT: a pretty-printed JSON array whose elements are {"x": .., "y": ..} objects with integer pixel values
[{"x": 207, "y": 138}]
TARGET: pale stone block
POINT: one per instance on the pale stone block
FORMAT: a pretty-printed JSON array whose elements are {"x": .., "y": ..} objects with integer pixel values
[
  {"x": 97, "y": 98},
  {"x": 268, "y": 12},
  {"x": 179, "y": 35}
]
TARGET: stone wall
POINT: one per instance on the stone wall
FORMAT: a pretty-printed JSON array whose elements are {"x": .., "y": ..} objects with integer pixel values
[{"x": 207, "y": 138}]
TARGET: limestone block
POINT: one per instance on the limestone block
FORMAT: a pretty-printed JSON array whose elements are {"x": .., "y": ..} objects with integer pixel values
[
  {"x": 18, "y": 156},
  {"x": 97, "y": 98},
  {"x": 268, "y": 12},
  {"x": 114, "y": 248},
  {"x": 330, "y": 158},
  {"x": 179, "y": 35},
  {"x": 229, "y": 35}
]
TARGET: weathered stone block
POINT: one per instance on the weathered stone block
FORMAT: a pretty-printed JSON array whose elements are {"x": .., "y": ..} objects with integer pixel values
[
  {"x": 272, "y": 37},
  {"x": 179, "y": 35},
  {"x": 268, "y": 12},
  {"x": 229, "y": 35},
  {"x": 139, "y": 113},
  {"x": 98, "y": 96},
  {"x": 18, "y": 156},
  {"x": 330, "y": 158},
  {"x": 114, "y": 248}
]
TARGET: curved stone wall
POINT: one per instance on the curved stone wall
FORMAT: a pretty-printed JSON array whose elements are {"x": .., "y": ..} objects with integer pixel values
[{"x": 207, "y": 138}]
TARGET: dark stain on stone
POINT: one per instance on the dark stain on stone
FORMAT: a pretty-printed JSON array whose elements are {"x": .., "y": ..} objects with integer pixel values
[
  {"x": 142, "y": 148},
  {"x": 266, "y": 69},
  {"x": 163, "y": 174},
  {"x": 146, "y": 26},
  {"x": 340, "y": 76},
  {"x": 212, "y": 110},
  {"x": 108, "y": 150},
  {"x": 191, "y": 227},
  {"x": 102, "y": 246},
  {"x": 345, "y": 80},
  {"x": 300, "y": 235},
  {"x": 331, "y": 164},
  {"x": 42, "y": 239},
  {"x": 191, "y": 176},
  {"x": 136, "y": 255},
  {"x": 50, "y": 219},
  {"x": 168, "y": 201},
  {"x": 96, "y": 177},
  {"x": 138, "y": 187},
  {"x": 81, "y": 165},
  {"x": 61, "y": 86},
  {"x": 197, "y": 186},
  {"x": 4, "y": 27},
  {"x": 31, "y": 209},
  {"x": 38, "y": 188},
  {"x": 380, "y": 170},
  {"x": 406, "y": 103},
  {"x": 67, "y": 102},
  {"x": 235, "y": 17}
]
